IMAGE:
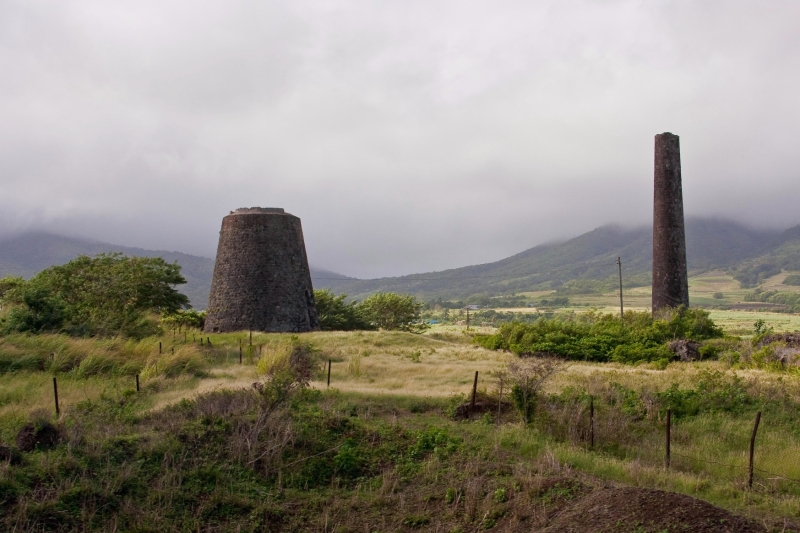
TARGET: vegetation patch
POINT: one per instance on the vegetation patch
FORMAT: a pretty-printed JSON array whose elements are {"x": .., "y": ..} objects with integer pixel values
[{"x": 602, "y": 337}]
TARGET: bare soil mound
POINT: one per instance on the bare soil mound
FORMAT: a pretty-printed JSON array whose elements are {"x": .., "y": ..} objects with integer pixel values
[
  {"x": 31, "y": 437},
  {"x": 618, "y": 510}
]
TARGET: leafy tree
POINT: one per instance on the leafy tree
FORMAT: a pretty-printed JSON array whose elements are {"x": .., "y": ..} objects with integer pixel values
[
  {"x": 9, "y": 287},
  {"x": 337, "y": 315},
  {"x": 388, "y": 310},
  {"x": 108, "y": 294},
  {"x": 40, "y": 311}
]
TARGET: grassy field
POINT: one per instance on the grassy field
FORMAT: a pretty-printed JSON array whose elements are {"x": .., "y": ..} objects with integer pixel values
[
  {"x": 414, "y": 382},
  {"x": 731, "y": 311}
]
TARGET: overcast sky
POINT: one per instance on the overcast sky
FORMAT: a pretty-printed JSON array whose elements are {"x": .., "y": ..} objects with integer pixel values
[{"x": 408, "y": 136}]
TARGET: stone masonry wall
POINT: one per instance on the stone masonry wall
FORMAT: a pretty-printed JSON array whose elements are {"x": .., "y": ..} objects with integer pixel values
[
  {"x": 261, "y": 276},
  {"x": 670, "y": 280}
]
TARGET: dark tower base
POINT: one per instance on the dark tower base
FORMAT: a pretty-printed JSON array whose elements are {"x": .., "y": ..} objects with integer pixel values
[
  {"x": 261, "y": 276},
  {"x": 670, "y": 280}
]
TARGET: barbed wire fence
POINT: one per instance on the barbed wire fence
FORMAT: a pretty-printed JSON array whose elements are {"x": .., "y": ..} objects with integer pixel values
[{"x": 746, "y": 455}]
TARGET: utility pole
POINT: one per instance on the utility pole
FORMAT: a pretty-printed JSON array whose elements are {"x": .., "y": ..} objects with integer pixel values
[
  {"x": 621, "y": 310},
  {"x": 467, "y": 318}
]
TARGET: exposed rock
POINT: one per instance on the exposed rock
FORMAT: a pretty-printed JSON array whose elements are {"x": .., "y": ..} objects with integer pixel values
[
  {"x": 787, "y": 349},
  {"x": 685, "y": 349},
  {"x": 261, "y": 276},
  {"x": 31, "y": 437},
  {"x": 792, "y": 340}
]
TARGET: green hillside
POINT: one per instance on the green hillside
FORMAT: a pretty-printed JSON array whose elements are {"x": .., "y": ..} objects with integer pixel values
[
  {"x": 785, "y": 256},
  {"x": 584, "y": 264},
  {"x": 591, "y": 256}
]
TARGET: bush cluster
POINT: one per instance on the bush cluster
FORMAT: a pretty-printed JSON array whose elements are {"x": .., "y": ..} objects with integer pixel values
[
  {"x": 603, "y": 337},
  {"x": 383, "y": 310},
  {"x": 792, "y": 279},
  {"x": 790, "y": 299}
]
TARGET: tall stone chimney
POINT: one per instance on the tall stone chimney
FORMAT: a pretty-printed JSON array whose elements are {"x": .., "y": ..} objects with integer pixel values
[
  {"x": 670, "y": 279},
  {"x": 261, "y": 276}
]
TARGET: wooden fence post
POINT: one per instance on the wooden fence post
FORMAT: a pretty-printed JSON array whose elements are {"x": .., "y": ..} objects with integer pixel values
[
  {"x": 137, "y": 382},
  {"x": 55, "y": 395},
  {"x": 499, "y": 401},
  {"x": 474, "y": 393},
  {"x": 591, "y": 422},
  {"x": 752, "y": 448},
  {"x": 159, "y": 347},
  {"x": 240, "y": 352},
  {"x": 208, "y": 341},
  {"x": 329, "y": 373},
  {"x": 669, "y": 428}
]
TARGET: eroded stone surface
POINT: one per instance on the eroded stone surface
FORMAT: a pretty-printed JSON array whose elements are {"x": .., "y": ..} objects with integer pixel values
[
  {"x": 685, "y": 349},
  {"x": 670, "y": 279},
  {"x": 261, "y": 276}
]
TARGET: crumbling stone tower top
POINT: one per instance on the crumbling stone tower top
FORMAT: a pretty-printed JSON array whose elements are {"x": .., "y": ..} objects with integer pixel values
[
  {"x": 261, "y": 276},
  {"x": 670, "y": 279}
]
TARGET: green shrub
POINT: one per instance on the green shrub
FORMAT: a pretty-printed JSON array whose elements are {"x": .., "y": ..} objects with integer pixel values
[
  {"x": 636, "y": 353},
  {"x": 490, "y": 342},
  {"x": 602, "y": 337},
  {"x": 180, "y": 319},
  {"x": 792, "y": 279},
  {"x": 337, "y": 315},
  {"x": 681, "y": 402},
  {"x": 720, "y": 391},
  {"x": 627, "y": 400},
  {"x": 348, "y": 462},
  {"x": 40, "y": 310}
]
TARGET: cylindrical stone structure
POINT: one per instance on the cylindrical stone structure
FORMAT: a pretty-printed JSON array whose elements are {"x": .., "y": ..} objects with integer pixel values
[
  {"x": 670, "y": 280},
  {"x": 261, "y": 276}
]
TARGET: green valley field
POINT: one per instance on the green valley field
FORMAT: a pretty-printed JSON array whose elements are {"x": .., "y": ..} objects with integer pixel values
[{"x": 390, "y": 446}]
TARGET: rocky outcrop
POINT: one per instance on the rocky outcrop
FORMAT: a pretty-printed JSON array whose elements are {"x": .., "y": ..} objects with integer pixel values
[{"x": 685, "y": 349}]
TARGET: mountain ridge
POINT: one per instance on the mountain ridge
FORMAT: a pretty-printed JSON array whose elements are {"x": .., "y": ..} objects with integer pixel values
[
  {"x": 711, "y": 243},
  {"x": 28, "y": 253}
]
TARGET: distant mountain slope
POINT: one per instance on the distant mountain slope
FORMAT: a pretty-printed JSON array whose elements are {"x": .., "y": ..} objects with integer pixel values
[
  {"x": 591, "y": 256},
  {"x": 27, "y": 254},
  {"x": 784, "y": 256},
  {"x": 710, "y": 244}
]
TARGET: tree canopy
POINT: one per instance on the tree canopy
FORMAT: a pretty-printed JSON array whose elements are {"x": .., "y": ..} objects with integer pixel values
[
  {"x": 384, "y": 310},
  {"x": 337, "y": 315},
  {"x": 107, "y": 294}
]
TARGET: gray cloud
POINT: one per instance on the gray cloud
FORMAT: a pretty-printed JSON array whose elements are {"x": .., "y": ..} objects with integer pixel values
[{"x": 408, "y": 136}]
